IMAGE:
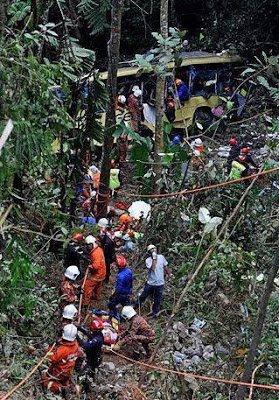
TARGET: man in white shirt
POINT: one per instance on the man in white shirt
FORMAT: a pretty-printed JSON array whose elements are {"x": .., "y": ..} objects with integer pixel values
[{"x": 156, "y": 265}]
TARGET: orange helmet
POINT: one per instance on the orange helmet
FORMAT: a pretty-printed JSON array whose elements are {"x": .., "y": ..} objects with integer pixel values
[
  {"x": 120, "y": 261},
  {"x": 96, "y": 325},
  {"x": 125, "y": 218},
  {"x": 178, "y": 82}
]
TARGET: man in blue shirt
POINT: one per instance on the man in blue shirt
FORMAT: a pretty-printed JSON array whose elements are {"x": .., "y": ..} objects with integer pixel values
[
  {"x": 182, "y": 90},
  {"x": 123, "y": 286}
]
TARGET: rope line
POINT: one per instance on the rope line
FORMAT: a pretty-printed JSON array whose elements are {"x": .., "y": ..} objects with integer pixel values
[
  {"x": 7, "y": 395},
  {"x": 202, "y": 377},
  {"x": 201, "y": 189}
]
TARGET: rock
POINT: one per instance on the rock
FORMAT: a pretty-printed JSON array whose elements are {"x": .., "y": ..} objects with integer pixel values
[
  {"x": 177, "y": 360},
  {"x": 207, "y": 356},
  {"x": 180, "y": 327},
  {"x": 196, "y": 360},
  {"x": 221, "y": 349},
  {"x": 180, "y": 355},
  {"x": 194, "y": 331},
  {"x": 194, "y": 351},
  {"x": 224, "y": 299},
  {"x": 187, "y": 364},
  {"x": 165, "y": 362},
  {"x": 183, "y": 335},
  {"x": 177, "y": 345},
  {"x": 208, "y": 348},
  {"x": 109, "y": 366}
]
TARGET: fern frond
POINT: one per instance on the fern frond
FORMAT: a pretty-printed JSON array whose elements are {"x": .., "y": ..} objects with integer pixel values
[{"x": 95, "y": 13}]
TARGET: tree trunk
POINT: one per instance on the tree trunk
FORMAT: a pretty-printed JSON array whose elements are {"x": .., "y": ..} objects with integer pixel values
[
  {"x": 160, "y": 100},
  {"x": 248, "y": 370},
  {"x": 113, "y": 58},
  {"x": 3, "y": 15}
]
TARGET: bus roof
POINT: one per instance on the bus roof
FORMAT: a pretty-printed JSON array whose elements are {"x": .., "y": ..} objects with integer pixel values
[{"x": 188, "y": 58}]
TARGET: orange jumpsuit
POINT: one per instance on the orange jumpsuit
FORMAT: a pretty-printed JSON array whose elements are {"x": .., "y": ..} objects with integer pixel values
[
  {"x": 63, "y": 361},
  {"x": 97, "y": 273}
]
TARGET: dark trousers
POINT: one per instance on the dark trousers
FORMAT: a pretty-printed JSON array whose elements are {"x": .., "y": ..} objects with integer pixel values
[
  {"x": 156, "y": 292},
  {"x": 122, "y": 299}
]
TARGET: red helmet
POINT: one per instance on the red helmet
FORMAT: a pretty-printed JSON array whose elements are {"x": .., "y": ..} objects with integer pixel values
[
  {"x": 112, "y": 163},
  {"x": 245, "y": 150},
  {"x": 233, "y": 141},
  {"x": 120, "y": 261},
  {"x": 96, "y": 325},
  {"x": 77, "y": 236}
]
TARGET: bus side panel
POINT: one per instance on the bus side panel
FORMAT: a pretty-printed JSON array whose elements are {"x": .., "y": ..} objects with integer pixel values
[{"x": 187, "y": 111}]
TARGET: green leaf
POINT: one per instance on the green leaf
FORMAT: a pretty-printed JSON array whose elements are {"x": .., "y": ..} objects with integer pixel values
[{"x": 64, "y": 230}]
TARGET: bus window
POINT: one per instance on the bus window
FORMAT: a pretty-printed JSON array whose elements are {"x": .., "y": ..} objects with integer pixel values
[
  {"x": 202, "y": 82},
  {"x": 224, "y": 81}
]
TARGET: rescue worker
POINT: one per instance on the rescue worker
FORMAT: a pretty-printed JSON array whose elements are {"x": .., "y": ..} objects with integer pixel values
[
  {"x": 248, "y": 158},
  {"x": 198, "y": 151},
  {"x": 108, "y": 246},
  {"x": 175, "y": 141},
  {"x": 74, "y": 251},
  {"x": 138, "y": 334},
  {"x": 233, "y": 154},
  {"x": 63, "y": 359},
  {"x": 127, "y": 244},
  {"x": 125, "y": 222},
  {"x": 69, "y": 314},
  {"x": 182, "y": 90},
  {"x": 239, "y": 168},
  {"x": 95, "y": 175},
  {"x": 97, "y": 271},
  {"x": 69, "y": 289},
  {"x": 92, "y": 347},
  {"x": 156, "y": 265},
  {"x": 170, "y": 110},
  {"x": 102, "y": 224},
  {"x": 114, "y": 179},
  {"x": 122, "y": 148},
  {"x": 123, "y": 286},
  {"x": 120, "y": 103},
  {"x": 135, "y": 108}
]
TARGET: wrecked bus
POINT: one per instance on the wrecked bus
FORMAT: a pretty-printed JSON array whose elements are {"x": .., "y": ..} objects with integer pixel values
[{"x": 208, "y": 77}]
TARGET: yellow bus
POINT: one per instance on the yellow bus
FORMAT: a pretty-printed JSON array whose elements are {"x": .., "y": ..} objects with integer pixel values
[{"x": 208, "y": 77}]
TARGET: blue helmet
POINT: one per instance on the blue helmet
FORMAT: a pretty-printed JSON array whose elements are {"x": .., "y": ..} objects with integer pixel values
[{"x": 176, "y": 140}]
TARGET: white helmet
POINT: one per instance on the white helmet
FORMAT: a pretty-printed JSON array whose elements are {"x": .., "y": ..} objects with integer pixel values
[
  {"x": 151, "y": 247},
  {"x": 135, "y": 87},
  {"x": 94, "y": 169},
  {"x": 69, "y": 332},
  {"x": 126, "y": 237},
  {"x": 121, "y": 99},
  {"x": 118, "y": 234},
  {"x": 90, "y": 240},
  {"x": 103, "y": 223},
  {"x": 128, "y": 312},
  {"x": 70, "y": 312},
  {"x": 197, "y": 142},
  {"x": 72, "y": 272},
  {"x": 137, "y": 93}
]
